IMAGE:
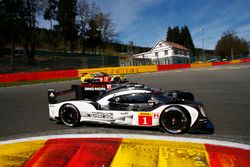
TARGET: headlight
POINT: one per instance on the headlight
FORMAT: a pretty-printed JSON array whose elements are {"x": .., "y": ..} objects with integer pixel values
[{"x": 202, "y": 110}]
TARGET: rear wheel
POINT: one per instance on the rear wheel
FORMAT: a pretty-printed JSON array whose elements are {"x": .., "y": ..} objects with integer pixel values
[
  {"x": 87, "y": 80},
  {"x": 117, "y": 80},
  {"x": 175, "y": 120},
  {"x": 69, "y": 115}
]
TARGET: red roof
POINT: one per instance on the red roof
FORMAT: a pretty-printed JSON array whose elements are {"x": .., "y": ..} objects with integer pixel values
[{"x": 176, "y": 45}]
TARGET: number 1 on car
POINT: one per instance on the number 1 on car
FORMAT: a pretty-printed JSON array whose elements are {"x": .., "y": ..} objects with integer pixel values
[{"x": 145, "y": 118}]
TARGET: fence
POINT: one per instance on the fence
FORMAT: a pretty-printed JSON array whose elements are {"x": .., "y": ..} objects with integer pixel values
[{"x": 56, "y": 60}]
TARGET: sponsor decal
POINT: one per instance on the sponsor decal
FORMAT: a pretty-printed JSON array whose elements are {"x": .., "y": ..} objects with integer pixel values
[
  {"x": 94, "y": 88},
  {"x": 102, "y": 115},
  {"x": 124, "y": 113},
  {"x": 52, "y": 95},
  {"x": 109, "y": 86},
  {"x": 145, "y": 118},
  {"x": 156, "y": 116},
  {"x": 100, "y": 79},
  {"x": 106, "y": 79}
]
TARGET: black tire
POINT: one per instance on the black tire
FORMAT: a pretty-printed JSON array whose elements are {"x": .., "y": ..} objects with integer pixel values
[
  {"x": 117, "y": 80},
  {"x": 175, "y": 120},
  {"x": 69, "y": 115},
  {"x": 88, "y": 80}
]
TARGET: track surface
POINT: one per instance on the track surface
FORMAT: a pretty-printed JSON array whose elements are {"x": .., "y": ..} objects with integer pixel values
[{"x": 225, "y": 91}]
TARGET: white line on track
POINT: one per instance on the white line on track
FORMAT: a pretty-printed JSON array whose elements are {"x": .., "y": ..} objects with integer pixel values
[
  {"x": 234, "y": 68},
  {"x": 213, "y": 69},
  {"x": 134, "y": 136}
]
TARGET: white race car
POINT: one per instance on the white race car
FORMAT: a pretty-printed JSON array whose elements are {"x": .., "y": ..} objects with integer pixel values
[{"x": 130, "y": 104}]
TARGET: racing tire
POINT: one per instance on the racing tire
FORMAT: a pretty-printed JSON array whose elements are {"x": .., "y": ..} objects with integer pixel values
[
  {"x": 175, "y": 120},
  {"x": 69, "y": 115},
  {"x": 87, "y": 80},
  {"x": 117, "y": 80}
]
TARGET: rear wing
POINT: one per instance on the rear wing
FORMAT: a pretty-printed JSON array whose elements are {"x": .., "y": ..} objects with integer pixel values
[
  {"x": 52, "y": 94},
  {"x": 87, "y": 91}
]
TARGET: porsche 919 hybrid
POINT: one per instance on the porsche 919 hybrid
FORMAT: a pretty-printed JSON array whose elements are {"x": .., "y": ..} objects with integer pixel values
[{"x": 130, "y": 104}]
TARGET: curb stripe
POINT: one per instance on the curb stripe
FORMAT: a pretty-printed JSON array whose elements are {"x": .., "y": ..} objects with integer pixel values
[
  {"x": 75, "y": 152},
  {"x": 17, "y": 154},
  {"x": 140, "y": 152},
  {"x": 221, "y": 156},
  {"x": 133, "y": 136},
  {"x": 131, "y": 150},
  {"x": 99, "y": 152}
]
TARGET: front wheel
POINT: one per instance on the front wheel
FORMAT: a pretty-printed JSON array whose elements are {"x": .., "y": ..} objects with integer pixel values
[
  {"x": 175, "y": 120},
  {"x": 69, "y": 115}
]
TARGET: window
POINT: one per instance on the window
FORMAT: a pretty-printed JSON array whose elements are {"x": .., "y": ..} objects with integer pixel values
[
  {"x": 166, "y": 52},
  {"x": 132, "y": 98},
  {"x": 156, "y": 54},
  {"x": 175, "y": 51},
  {"x": 166, "y": 61}
]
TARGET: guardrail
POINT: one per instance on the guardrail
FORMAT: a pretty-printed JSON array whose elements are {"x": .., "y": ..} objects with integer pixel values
[
  {"x": 31, "y": 76},
  {"x": 47, "y": 75},
  {"x": 121, "y": 70},
  {"x": 172, "y": 66}
]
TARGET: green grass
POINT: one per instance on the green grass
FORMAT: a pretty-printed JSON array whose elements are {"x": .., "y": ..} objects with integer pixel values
[{"x": 9, "y": 84}]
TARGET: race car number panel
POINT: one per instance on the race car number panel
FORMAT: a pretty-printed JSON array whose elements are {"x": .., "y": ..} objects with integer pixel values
[{"x": 145, "y": 119}]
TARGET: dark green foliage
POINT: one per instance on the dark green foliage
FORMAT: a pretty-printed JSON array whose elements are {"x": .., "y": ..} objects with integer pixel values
[
  {"x": 12, "y": 20},
  {"x": 230, "y": 45},
  {"x": 50, "y": 12},
  {"x": 186, "y": 39},
  {"x": 94, "y": 37},
  {"x": 66, "y": 18},
  {"x": 181, "y": 36},
  {"x": 174, "y": 35}
]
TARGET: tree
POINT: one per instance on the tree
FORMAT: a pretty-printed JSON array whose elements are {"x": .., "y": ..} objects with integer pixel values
[
  {"x": 94, "y": 37},
  {"x": 173, "y": 35},
  {"x": 186, "y": 39},
  {"x": 11, "y": 23},
  {"x": 82, "y": 20},
  {"x": 100, "y": 29},
  {"x": 66, "y": 18},
  {"x": 51, "y": 11},
  {"x": 230, "y": 45},
  {"x": 182, "y": 37},
  {"x": 106, "y": 28},
  {"x": 18, "y": 23},
  {"x": 29, "y": 8}
]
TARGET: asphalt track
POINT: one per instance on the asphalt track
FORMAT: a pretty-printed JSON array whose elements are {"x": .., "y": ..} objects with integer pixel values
[{"x": 223, "y": 89}]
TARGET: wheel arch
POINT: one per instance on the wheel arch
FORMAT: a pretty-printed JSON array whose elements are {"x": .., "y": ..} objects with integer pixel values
[
  {"x": 72, "y": 106},
  {"x": 115, "y": 76},
  {"x": 179, "y": 107}
]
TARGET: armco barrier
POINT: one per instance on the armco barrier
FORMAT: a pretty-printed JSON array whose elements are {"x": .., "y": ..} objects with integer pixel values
[
  {"x": 244, "y": 60},
  {"x": 172, "y": 66},
  {"x": 30, "y": 76},
  {"x": 120, "y": 70},
  {"x": 220, "y": 63},
  {"x": 235, "y": 62},
  {"x": 201, "y": 65}
]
